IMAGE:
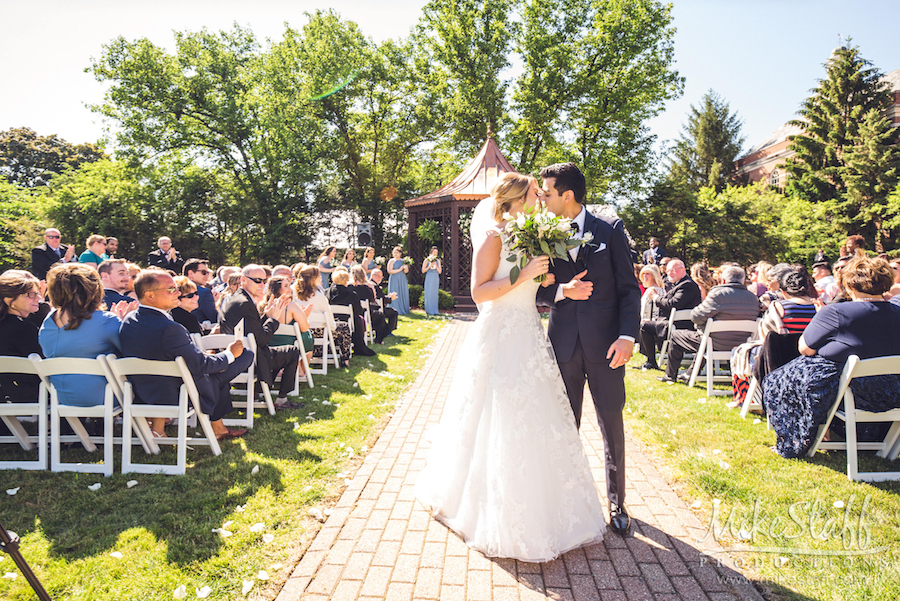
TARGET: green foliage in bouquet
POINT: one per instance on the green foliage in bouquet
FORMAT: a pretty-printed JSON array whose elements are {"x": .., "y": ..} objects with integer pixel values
[{"x": 535, "y": 232}]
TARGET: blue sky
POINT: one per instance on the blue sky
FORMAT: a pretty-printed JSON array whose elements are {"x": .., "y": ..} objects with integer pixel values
[{"x": 762, "y": 56}]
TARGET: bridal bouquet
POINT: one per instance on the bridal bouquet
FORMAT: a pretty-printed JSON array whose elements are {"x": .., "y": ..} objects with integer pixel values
[
  {"x": 431, "y": 258},
  {"x": 407, "y": 261},
  {"x": 379, "y": 261},
  {"x": 536, "y": 232}
]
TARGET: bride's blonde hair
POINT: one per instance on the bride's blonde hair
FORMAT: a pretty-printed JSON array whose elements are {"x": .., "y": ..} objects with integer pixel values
[{"x": 508, "y": 189}]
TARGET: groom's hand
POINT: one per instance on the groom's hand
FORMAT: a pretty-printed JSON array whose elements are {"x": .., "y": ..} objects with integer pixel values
[
  {"x": 620, "y": 351},
  {"x": 575, "y": 289}
]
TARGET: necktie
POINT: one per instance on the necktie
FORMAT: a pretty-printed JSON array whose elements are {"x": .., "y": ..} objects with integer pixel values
[{"x": 575, "y": 227}]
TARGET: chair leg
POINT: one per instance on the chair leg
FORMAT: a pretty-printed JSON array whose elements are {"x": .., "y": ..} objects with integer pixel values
[
  {"x": 181, "y": 445},
  {"x": 126, "y": 438},
  {"x": 748, "y": 400},
  {"x": 108, "y": 447},
  {"x": 850, "y": 426}
]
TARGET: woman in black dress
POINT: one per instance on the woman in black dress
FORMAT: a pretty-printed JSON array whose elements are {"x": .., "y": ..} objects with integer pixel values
[{"x": 20, "y": 296}]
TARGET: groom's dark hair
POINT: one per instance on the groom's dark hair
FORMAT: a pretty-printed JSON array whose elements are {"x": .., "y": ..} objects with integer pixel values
[{"x": 568, "y": 177}]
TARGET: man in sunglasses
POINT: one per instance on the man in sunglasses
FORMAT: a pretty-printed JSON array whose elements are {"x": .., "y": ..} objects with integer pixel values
[
  {"x": 269, "y": 359},
  {"x": 48, "y": 254},
  {"x": 197, "y": 271}
]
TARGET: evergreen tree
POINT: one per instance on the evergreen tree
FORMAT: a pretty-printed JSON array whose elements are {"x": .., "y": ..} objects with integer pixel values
[
  {"x": 709, "y": 144},
  {"x": 872, "y": 171},
  {"x": 830, "y": 120}
]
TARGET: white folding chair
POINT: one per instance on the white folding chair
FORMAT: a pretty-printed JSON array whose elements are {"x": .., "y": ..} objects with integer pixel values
[
  {"x": 106, "y": 409},
  {"x": 293, "y": 329},
  {"x": 889, "y": 448},
  {"x": 706, "y": 352},
  {"x": 11, "y": 412},
  {"x": 344, "y": 313},
  {"x": 678, "y": 315},
  {"x": 367, "y": 314},
  {"x": 219, "y": 342},
  {"x": 138, "y": 413},
  {"x": 750, "y": 401},
  {"x": 319, "y": 322}
]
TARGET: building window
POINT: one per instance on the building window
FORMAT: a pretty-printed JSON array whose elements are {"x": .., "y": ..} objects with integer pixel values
[{"x": 775, "y": 178}]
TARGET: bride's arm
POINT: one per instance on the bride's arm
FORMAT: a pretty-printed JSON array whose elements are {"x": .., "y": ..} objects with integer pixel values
[{"x": 487, "y": 259}]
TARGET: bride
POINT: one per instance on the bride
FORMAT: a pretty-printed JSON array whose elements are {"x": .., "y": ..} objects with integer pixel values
[{"x": 506, "y": 469}]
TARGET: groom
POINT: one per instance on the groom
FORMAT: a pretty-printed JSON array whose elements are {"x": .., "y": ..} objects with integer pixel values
[{"x": 594, "y": 319}]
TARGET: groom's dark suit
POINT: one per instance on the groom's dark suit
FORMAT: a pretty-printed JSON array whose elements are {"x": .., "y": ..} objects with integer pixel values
[{"x": 582, "y": 331}]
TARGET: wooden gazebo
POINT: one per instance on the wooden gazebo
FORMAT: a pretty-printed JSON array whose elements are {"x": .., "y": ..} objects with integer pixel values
[{"x": 444, "y": 206}]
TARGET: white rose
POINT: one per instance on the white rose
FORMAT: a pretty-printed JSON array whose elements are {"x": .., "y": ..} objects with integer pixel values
[
  {"x": 507, "y": 216},
  {"x": 521, "y": 220}
]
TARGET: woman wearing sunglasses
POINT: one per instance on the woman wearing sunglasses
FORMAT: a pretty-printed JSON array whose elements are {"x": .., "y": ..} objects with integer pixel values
[{"x": 188, "y": 300}]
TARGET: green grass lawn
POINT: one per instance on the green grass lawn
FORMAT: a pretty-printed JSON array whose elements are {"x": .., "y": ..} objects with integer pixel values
[
  {"x": 162, "y": 527},
  {"x": 724, "y": 468}
]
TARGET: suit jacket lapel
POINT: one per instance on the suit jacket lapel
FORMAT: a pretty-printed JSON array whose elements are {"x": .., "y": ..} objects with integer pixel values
[{"x": 589, "y": 223}]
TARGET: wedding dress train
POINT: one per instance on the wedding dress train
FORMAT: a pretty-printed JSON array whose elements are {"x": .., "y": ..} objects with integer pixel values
[{"x": 507, "y": 470}]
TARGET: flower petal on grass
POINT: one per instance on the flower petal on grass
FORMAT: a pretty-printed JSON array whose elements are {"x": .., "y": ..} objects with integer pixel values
[
  {"x": 227, "y": 524},
  {"x": 268, "y": 538},
  {"x": 12, "y": 491},
  {"x": 257, "y": 527},
  {"x": 276, "y": 566},
  {"x": 255, "y": 470},
  {"x": 839, "y": 504},
  {"x": 203, "y": 593},
  {"x": 247, "y": 585},
  {"x": 696, "y": 504},
  {"x": 263, "y": 575},
  {"x": 240, "y": 508},
  {"x": 95, "y": 486},
  {"x": 716, "y": 451},
  {"x": 116, "y": 554},
  {"x": 180, "y": 592},
  {"x": 724, "y": 465},
  {"x": 757, "y": 421},
  {"x": 744, "y": 535},
  {"x": 131, "y": 483},
  {"x": 10, "y": 575}
]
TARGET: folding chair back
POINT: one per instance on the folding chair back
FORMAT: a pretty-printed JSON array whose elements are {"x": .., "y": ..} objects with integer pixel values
[
  {"x": 11, "y": 412},
  {"x": 706, "y": 352},
  {"x": 367, "y": 314},
  {"x": 138, "y": 413},
  {"x": 678, "y": 315},
  {"x": 293, "y": 329},
  {"x": 104, "y": 408},
  {"x": 325, "y": 341},
  {"x": 343, "y": 313},
  {"x": 889, "y": 448}
]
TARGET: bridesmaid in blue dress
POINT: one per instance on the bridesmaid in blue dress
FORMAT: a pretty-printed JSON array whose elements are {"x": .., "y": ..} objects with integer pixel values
[
  {"x": 324, "y": 264},
  {"x": 431, "y": 267},
  {"x": 397, "y": 281},
  {"x": 368, "y": 262}
]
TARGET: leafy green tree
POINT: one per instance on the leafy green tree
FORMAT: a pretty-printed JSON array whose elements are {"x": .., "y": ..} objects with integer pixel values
[
  {"x": 871, "y": 174},
  {"x": 830, "y": 120},
  {"x": 20, "y": 226},
  {"x": 220, "y": 102},
  {"x": 665, "y": 213},
  {"x": 30, "y": 160},
  {"x": 470, "y": 41},
  {"x": 593, "y": 72},
  {"x": 710, "y": 142}
]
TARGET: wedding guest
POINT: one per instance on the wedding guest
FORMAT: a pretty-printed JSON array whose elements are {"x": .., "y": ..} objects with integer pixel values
[
  {"x": 197, "y": 271},
  {"x": 390, "y": 314},
  {"x": 115, "y": 279},
  {"x": 166, "y": 257},
  {"x": 397, "y": 281},
  {"x": 77, "y": 327},
  {"x": 20, "y": 296},
  {"x": 231, "y": 286},
  {"x": 349, "y": 259},
  {"x": 431, "y": 267},
  {"x": 95, "y": 253},
  {"x": 368, "y": 262},
  {"x": 650, "y": 279},
  {"x": 188, "y": 301},
  {"x": 324, "y": 263},
  {"x": 703, "y": 278},
  {"x": 307, "y": 289},
  {"x": 798, "y": 395},
  {"x": 133, "y": 272},
  {"x": 112, "y": 247},
  {"x": 51, "y": 252},
  {"x": 293, "y": 313},
  {"x": 340, "y": 294}
]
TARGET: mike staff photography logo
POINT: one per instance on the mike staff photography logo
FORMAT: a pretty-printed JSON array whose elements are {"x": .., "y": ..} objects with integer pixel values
[{"x": 808, "y": 526}]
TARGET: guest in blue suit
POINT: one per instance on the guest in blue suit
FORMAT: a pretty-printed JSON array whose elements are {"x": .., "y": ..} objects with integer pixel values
[
  {"x": 197, "y": 271},
  {"x": 115, "y": 279},
  {"x": 150, "y": 333}
]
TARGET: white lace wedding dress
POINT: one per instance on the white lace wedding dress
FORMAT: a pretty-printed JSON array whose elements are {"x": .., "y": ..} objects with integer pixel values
[{"x": 506, "y": 469}]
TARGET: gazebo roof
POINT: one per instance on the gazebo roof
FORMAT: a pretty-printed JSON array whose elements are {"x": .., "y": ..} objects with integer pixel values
[{"x": 474, "y": 182}]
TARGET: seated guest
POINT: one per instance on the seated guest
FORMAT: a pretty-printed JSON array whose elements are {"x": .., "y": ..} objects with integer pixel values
[
  {"x": 133, "y": 272},
  {"x": 704, "y": 279},
  {"x": 187, "y": 302},
  {"x": 822, "y": 275},
  {"x": 115, "y": 279},
  {"x": 773, "y": 284},
  {"x": 197, "y": 271},
  {"x": 50, "y": 253},
  {"x": 165, "y": 257},
  {"x": 233, "y": 282},
  {"x": 19, "y": 297},
  {"x": 730, "y": 300},
  {"x": 150, "y": 333},
  {"x": 77, "y": 327},
  {"x": 340, "y": 294},
  {"x": 293, "y": 313},
  {"x": 112, "y": 247},
  {"x": 650, "y": 279},
  {"x": 684, "y": 294},
  {"x": 798, "y": 395},
  {"x": 390, "y": 314},
  {"x": 95, "y": 253},
  {"x": 283, "y": 271},
  {"x": 366, "y": 294},
  {"x": 307, "y": 289},
  {"x": 269, "y": 359}
]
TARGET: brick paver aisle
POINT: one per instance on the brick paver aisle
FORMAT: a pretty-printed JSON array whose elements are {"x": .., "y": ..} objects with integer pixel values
[{"x": 381, "y": 544}]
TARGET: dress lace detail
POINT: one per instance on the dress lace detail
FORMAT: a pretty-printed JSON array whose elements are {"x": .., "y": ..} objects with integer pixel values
[{"x": 506, "y": 469}]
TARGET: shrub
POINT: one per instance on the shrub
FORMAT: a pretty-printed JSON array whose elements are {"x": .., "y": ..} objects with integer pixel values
[
  {"x": 445, "y": 300},
  {"x": 415, "y": 295}
]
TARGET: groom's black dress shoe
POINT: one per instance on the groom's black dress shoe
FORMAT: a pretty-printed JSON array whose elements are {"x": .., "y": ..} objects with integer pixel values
[
  {"x": 619, "y": 521},
  {"x": 665, "y": 379},
  {"x": 648, "y": 365}
]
